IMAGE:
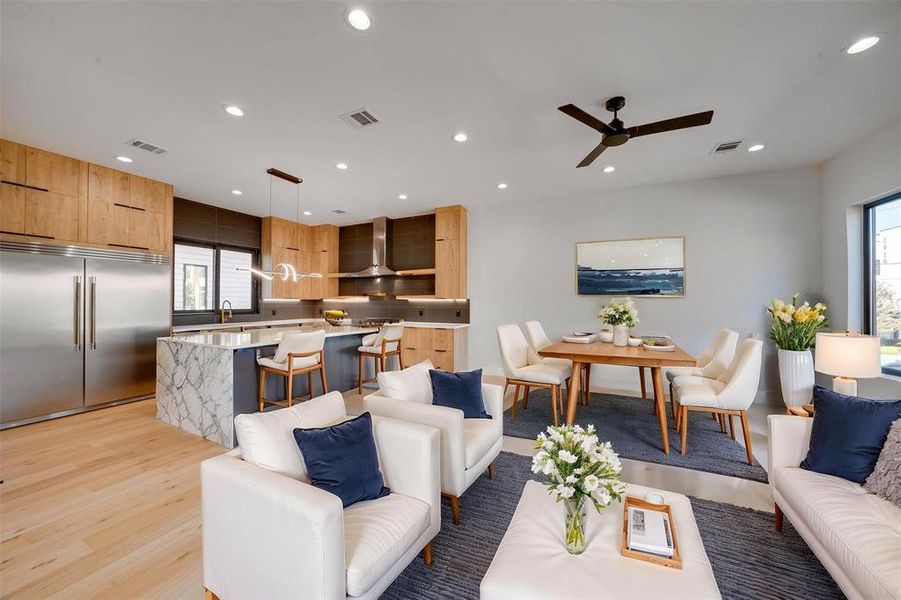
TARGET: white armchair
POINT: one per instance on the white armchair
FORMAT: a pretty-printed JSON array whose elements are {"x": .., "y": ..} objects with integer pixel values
[
  {"x": 269, "y": 533},
  {"x": 468, "y": 446},
  {"x": 731, "y": 394}
]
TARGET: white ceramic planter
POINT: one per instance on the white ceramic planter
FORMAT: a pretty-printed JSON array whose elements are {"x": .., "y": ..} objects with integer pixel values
[
  {"x": 796, "y": 376},
  {"x": 620, "y": 335}
]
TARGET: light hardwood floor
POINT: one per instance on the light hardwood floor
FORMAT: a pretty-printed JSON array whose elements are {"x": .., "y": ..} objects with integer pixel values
[
  {"x": 101, "y": 505},
  {"x": 107, "y": 504}
]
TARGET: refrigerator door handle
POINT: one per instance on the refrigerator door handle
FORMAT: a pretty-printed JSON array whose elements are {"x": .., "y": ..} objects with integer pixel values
[
  {"x": 93, "y": 313},
  {"x": 78, "y": 313}
]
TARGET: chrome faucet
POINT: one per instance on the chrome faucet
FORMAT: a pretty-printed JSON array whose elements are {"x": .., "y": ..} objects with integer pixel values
[{"x": 222, "y": 318}]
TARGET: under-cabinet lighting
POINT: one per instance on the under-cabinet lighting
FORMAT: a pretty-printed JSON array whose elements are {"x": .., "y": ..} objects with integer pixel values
[
  {"x": 422, "y": 299},
  {"x": 281, "y": 300},
  {"x": 354, "y": 299}
]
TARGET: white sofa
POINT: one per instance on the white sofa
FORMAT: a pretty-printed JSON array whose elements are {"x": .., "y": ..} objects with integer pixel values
[
  {"x": 856, "y": 535},
  {"x": 268, "y": 533},
  {"x": 468, "y": 446}
]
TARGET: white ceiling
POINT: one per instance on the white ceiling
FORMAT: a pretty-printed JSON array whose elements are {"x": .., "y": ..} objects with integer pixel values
[{"x": 82, "y": 78}]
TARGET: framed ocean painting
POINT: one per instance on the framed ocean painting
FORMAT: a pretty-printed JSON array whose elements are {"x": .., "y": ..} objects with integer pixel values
[{"x": 646, "y": 267}]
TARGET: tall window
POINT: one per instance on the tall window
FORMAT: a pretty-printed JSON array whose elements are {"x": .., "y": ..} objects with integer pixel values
[
  {"x": 883, "y": 278},
  {"x": 208, "y": 275}
]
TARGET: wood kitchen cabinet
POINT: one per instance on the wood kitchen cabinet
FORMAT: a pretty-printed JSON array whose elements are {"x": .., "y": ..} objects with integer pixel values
[
  {"x": 445, "y": 347},
  {"x": 285, "y": 241},
  {"x": 50, "y": 196},
  {"x": 323, "y": 256},
  {"x": 450, "y": 252}
]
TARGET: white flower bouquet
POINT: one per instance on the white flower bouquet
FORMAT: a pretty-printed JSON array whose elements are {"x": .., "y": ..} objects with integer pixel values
[
  {"x": 579, "y": 468},
  {"x": 619, "y": 313}
]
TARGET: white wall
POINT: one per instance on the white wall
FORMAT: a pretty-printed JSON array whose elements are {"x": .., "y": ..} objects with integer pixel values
[
  {"x": 868, "y": 170},
  {"x": 749, "y": 238}
]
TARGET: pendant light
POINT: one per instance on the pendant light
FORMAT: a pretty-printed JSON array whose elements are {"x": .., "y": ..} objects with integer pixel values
[{"x": 283, "y": 270}]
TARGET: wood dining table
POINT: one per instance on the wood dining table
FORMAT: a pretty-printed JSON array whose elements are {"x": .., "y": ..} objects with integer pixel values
[{"x": 607, "y": 354}]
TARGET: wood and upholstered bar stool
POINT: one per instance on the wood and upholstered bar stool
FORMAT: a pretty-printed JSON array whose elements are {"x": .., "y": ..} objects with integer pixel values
[
  {"x": 380, "y": 346},
  {"x": 525, "y": 369},
  {"x": 297, "y": 353}
]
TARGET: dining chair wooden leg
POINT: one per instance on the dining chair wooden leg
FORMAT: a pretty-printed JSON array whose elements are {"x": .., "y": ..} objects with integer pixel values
[
  {"x": 525, "y": 397},
  {"x": 583, "y": 385},
  {"x": 747, "y": 431},
  {"x": 360, "y": 377},
  {"x": 506, "y": 387},
  {"x": 554, "y": 389},
  {"x": 310, "y": 383},
  {"x": 672, "y": 406},
  {"x": 644, "y": 392},
  {"x": 683, "y": 418},
  {"x": 732, "y": 426},
  {"x": 262, "y": 389},
  {"x": 587, "y": 383},
  {"x": 515, "y": 400},
  {"x": 289, "y": 388},
  {"x": 722, "y": 420},
  {"x": 381, "y": 366}
]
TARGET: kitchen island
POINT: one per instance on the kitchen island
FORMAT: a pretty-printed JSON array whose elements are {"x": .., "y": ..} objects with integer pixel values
[{"x": 203, "y": 380}]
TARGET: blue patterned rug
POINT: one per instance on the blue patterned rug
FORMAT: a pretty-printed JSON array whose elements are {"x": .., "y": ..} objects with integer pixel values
[
  {"x": 750, "y": 559},
  {"x": 633, "y": 429}
]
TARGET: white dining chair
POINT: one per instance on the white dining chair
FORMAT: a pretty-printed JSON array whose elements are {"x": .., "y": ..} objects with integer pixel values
[
  {"x": 538, "y": 340},
  {"x": 710, "y": 364},
  {"x": 730, "y": 394},
  {"x": 297, "y": 353},
  {"x": 525, "y": 369}
]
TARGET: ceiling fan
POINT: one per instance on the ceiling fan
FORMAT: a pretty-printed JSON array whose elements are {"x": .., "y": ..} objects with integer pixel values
[{"x": 615, "y": 134}]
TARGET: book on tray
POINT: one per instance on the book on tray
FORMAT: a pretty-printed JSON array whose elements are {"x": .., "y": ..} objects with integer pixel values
[{"x": 649, "y": 531}]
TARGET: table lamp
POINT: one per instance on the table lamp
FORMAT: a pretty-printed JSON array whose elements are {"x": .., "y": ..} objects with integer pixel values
[{"x": 848, "y": 357}]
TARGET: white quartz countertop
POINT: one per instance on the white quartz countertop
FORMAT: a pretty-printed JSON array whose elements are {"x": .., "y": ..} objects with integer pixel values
[
  {"x": 428, "y": 325},
  {"x": 233, "y": 324},
  {"x": 262, "y": 337}
]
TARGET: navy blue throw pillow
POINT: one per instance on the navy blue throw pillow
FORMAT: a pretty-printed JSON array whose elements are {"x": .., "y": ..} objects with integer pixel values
[
  {"x": 459, "y": 390},
  {"x": 342, "y": 459},
  {"x": 848, "y": 434}
]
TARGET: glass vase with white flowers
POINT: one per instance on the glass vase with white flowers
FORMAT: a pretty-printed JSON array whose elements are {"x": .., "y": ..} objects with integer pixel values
[{"x": 580, "y": 469}]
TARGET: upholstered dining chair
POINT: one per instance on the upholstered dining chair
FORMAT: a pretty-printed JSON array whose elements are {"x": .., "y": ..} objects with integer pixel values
[
  {"x": 730, "y": 394},
  {"x": 525, "y": 369},
  {"x": 297, "y": 353},
  {"x": 538, "y": 339},
  {"x": 380, "y": 346},
  {"x": 710, "y": 364}
]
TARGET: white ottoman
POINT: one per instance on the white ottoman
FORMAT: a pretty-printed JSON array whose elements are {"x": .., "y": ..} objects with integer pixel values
[{"x": 532, "y": 562}]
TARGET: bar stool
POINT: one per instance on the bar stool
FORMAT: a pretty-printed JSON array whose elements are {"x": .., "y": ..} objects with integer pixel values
[
  {"x": 380, "y": 346},
  {"x": 297, "y": 353}
]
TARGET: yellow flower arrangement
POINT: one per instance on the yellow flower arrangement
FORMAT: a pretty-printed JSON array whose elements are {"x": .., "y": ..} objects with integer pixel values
[{"x": 795, "y": 327}]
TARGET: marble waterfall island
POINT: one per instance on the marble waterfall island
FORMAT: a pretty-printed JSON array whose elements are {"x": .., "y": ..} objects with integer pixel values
[{"x": 204, "y": 380}]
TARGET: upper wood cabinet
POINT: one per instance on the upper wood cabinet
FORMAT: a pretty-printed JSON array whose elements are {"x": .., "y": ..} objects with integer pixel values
[
  {"x": 308, "y": 249},
  {"x": 51, "y": 196},
  {"x": 450, "y": 252},
  {"x": 12, "y": 162}
]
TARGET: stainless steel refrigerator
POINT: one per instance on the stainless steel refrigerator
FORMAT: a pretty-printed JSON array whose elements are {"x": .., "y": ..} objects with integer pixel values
[{"x": 78, "y": 328}]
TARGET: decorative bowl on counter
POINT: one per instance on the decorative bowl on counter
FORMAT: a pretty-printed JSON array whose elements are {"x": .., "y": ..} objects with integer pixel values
[
  {"x": 635, "y": 342},
  {"x": 606, "y": 335},
  {"x": 335, "y": 317}
]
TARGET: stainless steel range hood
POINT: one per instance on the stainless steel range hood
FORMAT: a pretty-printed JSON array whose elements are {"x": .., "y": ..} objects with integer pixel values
[{"x": 379, "y": 267}]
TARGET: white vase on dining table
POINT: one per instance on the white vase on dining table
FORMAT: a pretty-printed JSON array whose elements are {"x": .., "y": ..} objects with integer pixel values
[{"x": 620, "y": 335}]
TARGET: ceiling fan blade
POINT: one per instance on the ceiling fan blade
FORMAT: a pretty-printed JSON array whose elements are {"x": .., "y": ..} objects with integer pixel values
[
  {"x": 701, "y": 118},
  {"x": 580, "y": 115},
  {"x": 592, "y": 155}
]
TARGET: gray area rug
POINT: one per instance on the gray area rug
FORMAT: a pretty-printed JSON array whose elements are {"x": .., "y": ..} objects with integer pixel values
[
  {"x": 633, "y": 429},
  {"x": 750, "y": 559}
]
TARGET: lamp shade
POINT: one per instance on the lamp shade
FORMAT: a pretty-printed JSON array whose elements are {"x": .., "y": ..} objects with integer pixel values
[{"x": 848, "y": 355}]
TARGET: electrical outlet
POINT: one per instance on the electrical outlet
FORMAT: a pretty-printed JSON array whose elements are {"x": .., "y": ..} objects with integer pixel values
[
  {"x": 274, "y": 312},
  {"x": 420, "y": 312},
  {"x": 459, "y": 313}
]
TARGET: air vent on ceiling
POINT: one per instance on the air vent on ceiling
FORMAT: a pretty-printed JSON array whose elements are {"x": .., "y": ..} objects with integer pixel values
[
  {"x": 359, "y": 118},
  {"x": 338, "y": 211},
  {"x": 152, "y": 148},
  {"x": 724, "y": 147}
]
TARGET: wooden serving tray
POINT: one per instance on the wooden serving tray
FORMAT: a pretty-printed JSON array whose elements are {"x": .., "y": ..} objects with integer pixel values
[{"x": 676, "y": 561}]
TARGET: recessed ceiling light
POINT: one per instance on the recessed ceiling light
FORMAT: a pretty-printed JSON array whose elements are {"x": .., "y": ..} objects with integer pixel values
[
  {"x": 237, "y": 192},
  {"x": 233, "y": 110},
  {"x": 609, "y": 169},
  {"x": 342, "y": 166},
  {"x": 460, "y": 137},
  {"x": 756, "y": 148},
  {"x": 307, "y": 213},
  {"x": 862, "y": 44},
  {"x": 358, "y": 19},
  {"x": 402, "y": 197},
  {"x": 502, "y": 186},
  {"x": 124, "y": 159}
]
